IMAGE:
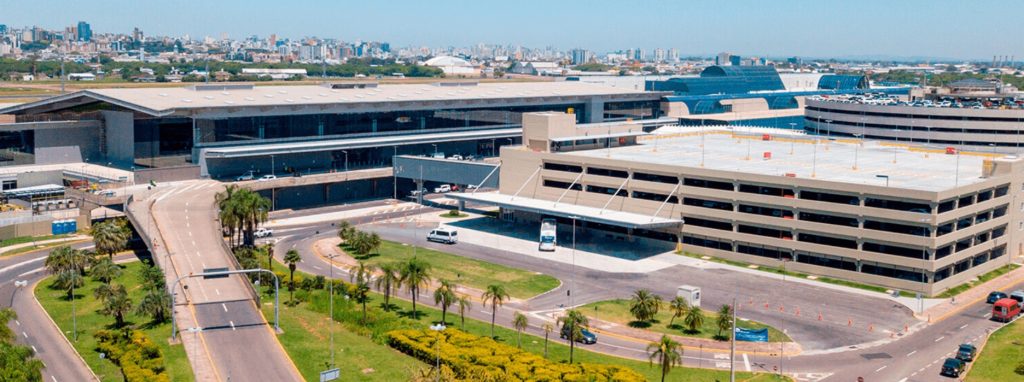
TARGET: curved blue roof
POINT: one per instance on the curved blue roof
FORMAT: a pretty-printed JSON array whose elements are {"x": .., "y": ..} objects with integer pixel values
[
  {"x": 842, "y": 82},
  {"x": 723, "y": 80}
]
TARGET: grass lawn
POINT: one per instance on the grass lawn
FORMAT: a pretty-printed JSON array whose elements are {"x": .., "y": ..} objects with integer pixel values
[
  {"x": 309, "y": 347},
  {"x": 453, "y": 214},
  {"x": 617, "y": 311},
  {"x": 982, "y": 278},
  {"x": 90, "y": 321},
  {"x": 1003, "y": 352},
  {"x": 468, "y": 272},
  {"x": 28, "y": 239}
]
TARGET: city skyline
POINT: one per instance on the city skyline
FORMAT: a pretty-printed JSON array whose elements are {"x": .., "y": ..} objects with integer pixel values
[{"x": 748, "y": 28}]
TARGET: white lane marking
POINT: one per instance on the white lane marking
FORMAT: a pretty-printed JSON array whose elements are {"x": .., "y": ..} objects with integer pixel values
[
  {"x": 631, "y": 349},
  {"x": 34, "y": 350},
  {"x": 962, "y": 327},
  {"x": 187, "y": 224},
  {"x": 9, "y": 267},
  {"x": 746, "y": 362},
  {"x": 232, "y": 325},
  {"x": 911, "y": 353},
  {"x": 940, "y": 338},
  {"x": 903, "y": 380},
  {"x": 193, "y": 241},
  {"x": 24, "y": 334},
  {"x": 987, "y": 315},
  {"x": 881, "y": 368},
  {"x": 224, "y": 306},
  {"x": 217, "y": 290},
  {"x": 189, "y": 233},
  {"x": 17, "y": 322},
  {"x": 23, "y": 274},
  {"x": 317, "y": 267},
  {"x": 53, "y": 378}
]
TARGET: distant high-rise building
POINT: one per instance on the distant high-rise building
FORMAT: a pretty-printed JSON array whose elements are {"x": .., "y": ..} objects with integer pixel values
[
  {"x": 581, "y": 56},
  {"x": 726, "y": 58},
  {"x": 84, "y": 31},
  {"x": 137, "y": 34},
  {"x": 638, "y": 54},
  {"x": 673, "y": 55},
  {"x": 272, "y": 41},
  {"x": 3, "y": 29},
  {"x": 659, "y": 55},
  {"x": 385, "y": 47},
  {"x": 794, "y": 60}
]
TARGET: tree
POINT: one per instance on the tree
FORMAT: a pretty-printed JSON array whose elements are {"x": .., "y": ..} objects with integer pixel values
[
  {"x": 111, "y": 236},
  {"x": 548, "y": 328},
  {"x": 495, "y": 295},
  {"x": 444, "y": 296},
  {"x": 360, "y": 243},
  {"x": 156, "y": 304},
  {"x": 520, "y": 322},
  {"x": 65, "y": 258},
  {"x": 16, "y": 362},
  {"x": 373, "y": 242},
  {"x": 104, "y": 291},
  {"x": 117, "y": 304},
  {"x": 360, "y": 276},
  {"x": 575, "y": 321},
  {"x": 345, "y": 230},
  {"x": 668, "y": 353},
  {"x": 269, "y": 247},
  {"x": 105, "y": 270},
  {"x": 464, "y": 304},
  {"x": 694, "y": 319},
  {"x": 291, "y": 258},
  {"x": 644, "y": 305},
  {"x": 388, "y": 279},
  {"x": 678, "y": 306},
  {"x": 724, "y": 320},
  {"x": 151, "y": 278},
  {"x": 414, "y": 274}
]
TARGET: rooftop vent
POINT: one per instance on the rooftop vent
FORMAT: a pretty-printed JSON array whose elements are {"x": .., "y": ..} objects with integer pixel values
[
  {"x": 349, "y": 85},
  {"x": 457, "y": 83},
  {"x": 221, "y": 87}
]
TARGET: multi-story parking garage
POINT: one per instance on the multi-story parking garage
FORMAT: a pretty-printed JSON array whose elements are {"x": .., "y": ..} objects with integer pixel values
[{"x": 846, "y": 209}]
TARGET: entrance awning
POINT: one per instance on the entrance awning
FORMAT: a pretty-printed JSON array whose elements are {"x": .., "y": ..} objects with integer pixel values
[{"x": 566, "y": 210}]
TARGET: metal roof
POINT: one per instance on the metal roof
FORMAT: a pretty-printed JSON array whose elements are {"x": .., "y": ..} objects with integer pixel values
[{"x": 566, "y": 210}]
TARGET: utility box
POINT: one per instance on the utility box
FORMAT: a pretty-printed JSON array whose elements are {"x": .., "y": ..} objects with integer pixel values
[{"x": 689, "y": 293}]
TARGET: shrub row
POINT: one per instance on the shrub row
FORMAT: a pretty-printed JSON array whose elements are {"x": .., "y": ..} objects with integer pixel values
[
  {"x": 482, "y": 359},
  {"x": 137, "y": 355}
]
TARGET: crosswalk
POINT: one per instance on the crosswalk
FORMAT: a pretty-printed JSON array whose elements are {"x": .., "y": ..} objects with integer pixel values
[{"x": 810, "y": 377}]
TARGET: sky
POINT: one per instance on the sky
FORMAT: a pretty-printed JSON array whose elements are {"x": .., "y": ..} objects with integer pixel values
[{"x": 773, "y": 28}]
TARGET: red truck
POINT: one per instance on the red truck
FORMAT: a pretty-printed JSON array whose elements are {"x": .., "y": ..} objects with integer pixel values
[{"x": 1005, "y": 309}]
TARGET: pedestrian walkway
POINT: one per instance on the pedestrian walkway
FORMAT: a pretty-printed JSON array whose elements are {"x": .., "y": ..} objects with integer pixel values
[{"x": 46, "y": 243}]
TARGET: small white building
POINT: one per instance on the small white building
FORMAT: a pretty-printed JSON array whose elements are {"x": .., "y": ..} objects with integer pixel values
[
  {"x": 453, "y": 65},
  {"x": 277, "y": 74},
  {"x": 534, "y": 68},
  {"x": 82, "y": 77}
]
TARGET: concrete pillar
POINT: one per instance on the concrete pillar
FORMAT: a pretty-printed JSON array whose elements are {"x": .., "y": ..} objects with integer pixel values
[
  {"x": 594, "y": 112},
  {"x": 858, "y": 266},
  {"x": 462, "y": 205},
  {"x": 419, "y": 194},
  {"x": 374, "y": 127}
]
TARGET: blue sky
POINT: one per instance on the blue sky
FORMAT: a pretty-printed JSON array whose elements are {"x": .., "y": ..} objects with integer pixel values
[{"x": 937, "y": 28}]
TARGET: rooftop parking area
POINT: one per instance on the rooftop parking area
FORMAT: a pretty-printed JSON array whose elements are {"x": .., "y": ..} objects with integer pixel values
[
  {"x": 951, "y": 101},
  {"x": 743, "y": 150}
]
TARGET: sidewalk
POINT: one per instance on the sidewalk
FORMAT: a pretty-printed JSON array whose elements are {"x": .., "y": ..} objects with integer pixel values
[
  {"x": 647, "y": 336},
  {"x": 979, "y": 292},
  {"x": 69, "y": 240}
]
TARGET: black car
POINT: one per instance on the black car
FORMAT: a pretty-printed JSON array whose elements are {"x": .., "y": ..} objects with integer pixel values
[
  {"x": 995, "y": 296},
  {"x": 952, "y": 367},
  {"x": 587, "y": 337},
  {"x": 966, "y": 352}
]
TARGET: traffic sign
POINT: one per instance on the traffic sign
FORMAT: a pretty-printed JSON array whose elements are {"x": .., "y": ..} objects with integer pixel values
[{"x": 330, "y": 375}]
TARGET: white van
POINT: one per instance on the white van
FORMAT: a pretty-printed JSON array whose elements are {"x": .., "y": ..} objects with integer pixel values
[{"x": 444, "y": 235}]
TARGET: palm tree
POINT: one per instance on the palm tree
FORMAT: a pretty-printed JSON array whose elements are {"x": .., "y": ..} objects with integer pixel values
[
  {"x": 345, "y": 230},
  {"x": 374, "y": 242},
  {"x": 464, "y": 304},
  {"x": 576, "y": 321},
  {"x": 694, "y": 319},
  {"x": 678, "y": 306},
  {"x": 269, "y": 247},
  {"x": 520, "y": 322},
  {"x": 388, "y": 279},
  {"x": 644, "y": 305},
  {"x": 105, "y": 270},
  {"x": 117, "y": 304},
  {"x": 156, "y": 304},
  {"x": 104, "y": 291},
  {"x": 724, "y": 320},
  {"x": 668, "y": 352},
  {"x": 257, "y": 210},
  {"x": 414, "y": 274},
  {"x": 68, "y": 281},
  {"x": 496, "y": 296},
  {"x": 111, "y": 236},
  {"x": 291, "y": 258},
  {"x": 65, "y": 258},
  {"x": 548, "y": 328},
  {"x": 360, "y": 243},
  {"x": 360, "y": 293},
  {"x": 227, "y": 204},
  {"x": 444, "y": 296},
  {"x": 152, "y": 278}
]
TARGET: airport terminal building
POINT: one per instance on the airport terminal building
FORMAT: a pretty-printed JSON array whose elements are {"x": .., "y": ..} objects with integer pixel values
[{"x": 849, "y": 209}]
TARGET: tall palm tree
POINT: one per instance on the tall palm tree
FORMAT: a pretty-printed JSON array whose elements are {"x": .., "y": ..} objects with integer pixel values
[
  {"x": 104, "y": 291},
  {"x": 668, "y": 352},
  {"x": 257, "y": 210},
  {"x": 156, "y": 304},
  {"x": 575, "y": 321},
  {"x": 414, "y": 274},
  {"x": 520, "y": 322},
  {"x": 68, "y": 281},
  {"x": 464, "y": 304},
  {"x": 495, "y": 295},
  {"x": 65, "y": 258},
  {"x": 548, "y": 328},
  {"x": 444, "y": 296},
  {"x": 389, "y": 278},
  {"x": 227, "y": 204},
  {"x": 644, "y": 305},
  {"x": 724, "y": 320},
  {"x": 678, "y": 306},
  {"x": 105, "y": 270},
  {"x": 291, "y": 258},
  {"x": 111, "y": 236},
  {"x": 360, "y": 293},
  {"x": 694, "y": 319},
  {"x": 117, "y": 304},
  {"x": 269, "y": 247},
  {"x": 152, "y": 278},
  {"x": 345, "y": 230},
  {"x": 373, "y": 242}
]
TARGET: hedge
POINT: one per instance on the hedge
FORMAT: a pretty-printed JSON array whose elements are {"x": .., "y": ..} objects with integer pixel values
[
  {"x": 479, "y": 358},
  {"x": 138, "y": 356}
]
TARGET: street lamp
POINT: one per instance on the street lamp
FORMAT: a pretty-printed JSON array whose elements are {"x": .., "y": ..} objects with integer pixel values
[
  {"x": 572, "y": 280},
  {"x": 439, "y": 327},
  {"x": 856, "y": 150},
  {"x": 828, "y": 129},
  {"x": 272, "y": 172},
  {"x": 346, "y": 159},
  {"x": 435, "y": 148},
  {"x": 331, "y": 291}
]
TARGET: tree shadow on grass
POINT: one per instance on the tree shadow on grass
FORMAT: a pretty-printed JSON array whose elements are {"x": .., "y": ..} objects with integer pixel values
[
  {"x": 366, "y": 256},
  {"x": 388, "y": 307},
  {"x": 152, "y": 324},
  {"x": 691, "y": 332},
  {"x": 637, "y": 324},
  {"x": 413, "y": 315},
  {"x": 675, "y": 327}
]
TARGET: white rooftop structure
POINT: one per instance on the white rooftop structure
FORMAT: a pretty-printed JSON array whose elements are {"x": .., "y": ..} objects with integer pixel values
[{"x": 567, "y": 210}]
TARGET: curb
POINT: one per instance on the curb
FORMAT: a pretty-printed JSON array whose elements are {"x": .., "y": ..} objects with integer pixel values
[{"x": 54, "y": 323}]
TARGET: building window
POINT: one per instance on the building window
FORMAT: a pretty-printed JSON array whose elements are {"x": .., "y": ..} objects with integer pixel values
[
  {"x": 947, "y": 205},
  {"x": 647, "y": 177},
  {"x": 944, "y": 229},
  {"x": 708, "y": 243},
  {"x": 827, "y": 261},
  {"x": 562, "y": 185},
  {"x": 766, "y": 211},
  {"x": 763, "y": 231},
  {"x": 896, "y": 273},
  {"x": 898, "y": 205},
  {"x": 829, "y": 197},
  {"x": 769, "y": 252},
  {"x": 1002, "y": 190},
  {"x": 943, "y": 252},
  {"x": 897, "y": 228},
  {"x": 829, "y": 219},
  {"x": 827, "y": 240},
  {"x": 725, "y": 226},
  {"x": 984, "y": 195},
  {"x": 606, "y": 191},
  {"x": 655, "y": 197},
  {"x": 764, "y": 190},
  {"x": 965, "y": 201},
  {"x": 704, "y": 183},
  {"x": 607, "y": 172},
  {"x": 562, "y": 167},
  {"x": 914, "y": 253},
  {"x": 708, "y": 204}
]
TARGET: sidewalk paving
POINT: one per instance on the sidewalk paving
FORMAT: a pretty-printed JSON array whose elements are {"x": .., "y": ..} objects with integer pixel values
[
  {"x": 69, "y": 239},
  {"x": 979, "y": 292}
]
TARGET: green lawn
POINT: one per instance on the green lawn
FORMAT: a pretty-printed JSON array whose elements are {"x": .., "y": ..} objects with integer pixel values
[
  {"x": 617, "y": 311},
  {"x": 469, "y": 272},
  {"x": 982, "y": 278},
  {"x": 28, "y": 239},
  {"x": 1003, "y": 352},
  {"x": 309, "y": 347},
  {"x": 90, "y": 321}
]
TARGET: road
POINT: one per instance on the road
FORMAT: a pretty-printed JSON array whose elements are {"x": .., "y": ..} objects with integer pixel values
[
  {"x": 234, "y": 338},
  {"x": 857, "y": 336}
]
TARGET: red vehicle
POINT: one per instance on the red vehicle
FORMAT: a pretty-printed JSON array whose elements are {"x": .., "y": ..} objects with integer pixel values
[{"x": 1005, "y": 309}]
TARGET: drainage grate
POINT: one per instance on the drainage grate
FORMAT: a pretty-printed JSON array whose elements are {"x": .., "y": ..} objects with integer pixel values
[{"x": 870, "y": 356}]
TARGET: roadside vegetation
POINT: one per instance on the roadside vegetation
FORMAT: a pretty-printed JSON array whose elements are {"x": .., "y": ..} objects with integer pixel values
[
  {"x": 981, "y": 279},
  {"x": 29, "y": 239},
  {"x": 241, "y": 212},
  {"x": 1002, "y": 358},
  {"x": 17, "y": 362}
]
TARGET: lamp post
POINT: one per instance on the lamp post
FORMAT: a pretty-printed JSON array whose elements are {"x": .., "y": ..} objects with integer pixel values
[
  {"x": 856, "y": 151},
  {"x": 331, "y": 291},
  {"x": 828, "y": 130},
  {"x": 346, "y": 159},
  {"x": 435, "y": 148},
  {"x": 439, "y": 327},
  {"x": 572, "y": 280},
  {"x": 814, "y": 160},
  {"x": 272, "y": 172}
]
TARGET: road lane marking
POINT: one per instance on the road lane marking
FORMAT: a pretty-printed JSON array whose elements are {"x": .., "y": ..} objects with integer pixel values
[
  {"x": 903, "y": 380},
  {"x": 911, "y": 353},
  {"x": 224, "y": 306},
  {"x": 53, "y": 378},
  {"x": 881, "y": 368},
  {"x": 987, "y": 315},
  {"x": 962, "y": 327},
  {"x": 232, "y": 325},
  {"x": 217, "y": 290},
  {"x": 34, "y": 350},
  {"x": 940, "y": 338},
  {"x": 24, "y": 334},
  {"x": 746, "y": 362},
  {"x": 17, "y": 322}
]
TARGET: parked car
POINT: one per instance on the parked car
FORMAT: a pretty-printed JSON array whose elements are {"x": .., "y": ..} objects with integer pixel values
[
  {"x": 995, "y": 296},
  {"x": 443, "y": 188},
  {"x": 586, "y": 336},
  {"x": 264, "y": 232},
  {"x": 966, "y": 352},
  {"x": 952, "y": 367},
  {"x": 245, "y": 177},
  {"x": 444, "y": 235},
  {"x": 1005, "y": 310},
  {"x": 268, "y": 177},
  {"x": 455, "y": 157},
  {"x": 1018, "y": 295}
]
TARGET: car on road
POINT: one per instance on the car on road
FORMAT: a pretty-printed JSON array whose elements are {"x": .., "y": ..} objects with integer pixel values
[
  {"x": 268, "y": 177},
  {"x": 245, "y": 177},
  {"x": 952, "y": 367},
  {"x": 1005, "y": 310},
  {"x": 995, "y": 296},
  {"x": 966, "y": 352},
  {"x": 1018, "y": 295},
  {"x": 586, "y": 336},
  {"x": 443, "y": 235},
  {"x": 264, "y": 232},
  {"x": 443, "y": 188}
]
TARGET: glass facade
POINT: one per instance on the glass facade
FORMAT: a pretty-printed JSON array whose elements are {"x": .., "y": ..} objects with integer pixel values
[
  {"x": 18, "y": 147},
  {"x": 723, "y": 80},
  {"x": 163, "y": 142}
]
